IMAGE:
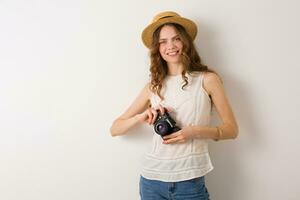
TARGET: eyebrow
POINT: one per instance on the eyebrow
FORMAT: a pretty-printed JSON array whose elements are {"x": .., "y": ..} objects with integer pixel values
[{"x": 171, "y": 38}]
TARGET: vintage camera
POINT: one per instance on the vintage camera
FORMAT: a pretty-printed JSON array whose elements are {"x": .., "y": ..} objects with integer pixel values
[{"x": 164, "y": 124}]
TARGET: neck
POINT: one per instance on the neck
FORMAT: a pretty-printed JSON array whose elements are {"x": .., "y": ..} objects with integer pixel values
[{"x": 175, "y": 69}]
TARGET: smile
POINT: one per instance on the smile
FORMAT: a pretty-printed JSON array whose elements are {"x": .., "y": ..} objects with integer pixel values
[{"x": 174, "y": 53}]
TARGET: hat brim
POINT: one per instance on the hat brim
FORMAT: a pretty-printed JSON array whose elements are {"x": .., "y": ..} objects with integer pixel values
[{"x": 189, "y": 26}]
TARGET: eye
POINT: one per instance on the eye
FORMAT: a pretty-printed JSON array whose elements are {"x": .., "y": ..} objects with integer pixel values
[{"x": 177, "y": 39}]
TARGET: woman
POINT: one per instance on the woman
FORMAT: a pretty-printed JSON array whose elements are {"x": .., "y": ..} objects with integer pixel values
[{"x": 186, "y": 89}]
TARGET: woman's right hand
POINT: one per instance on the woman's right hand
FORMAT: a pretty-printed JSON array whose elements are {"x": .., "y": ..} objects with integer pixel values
[{"x": 150, "y": 114}]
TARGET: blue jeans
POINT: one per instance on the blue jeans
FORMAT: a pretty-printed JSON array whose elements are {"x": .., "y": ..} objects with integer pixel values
[{"x": 193, "y": 189}]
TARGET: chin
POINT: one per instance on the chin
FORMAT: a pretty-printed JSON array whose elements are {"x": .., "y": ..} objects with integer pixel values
[{"x": 173, "y": 60}]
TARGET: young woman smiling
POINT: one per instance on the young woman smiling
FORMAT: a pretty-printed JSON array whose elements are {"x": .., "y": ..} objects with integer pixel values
[{"x": 186, "y": 89}]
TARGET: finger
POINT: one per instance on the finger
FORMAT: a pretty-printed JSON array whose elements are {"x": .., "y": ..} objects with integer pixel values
[
  {"x": 161, "y": 109},
  {"x": 149, "y": 116},
  {"x": 173, "y": 135},
  {"x": 171, "y": 141},
  {"x": 154, "y": 113},
  {"x": 169, "y": 137}
]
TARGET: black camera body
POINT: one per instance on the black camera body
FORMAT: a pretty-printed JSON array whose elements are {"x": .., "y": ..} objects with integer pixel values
[{"x": 165, "y": 125}]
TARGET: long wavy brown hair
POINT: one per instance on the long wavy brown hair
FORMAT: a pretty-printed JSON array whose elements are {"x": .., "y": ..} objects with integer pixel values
[{"x": 190, "y": 59}]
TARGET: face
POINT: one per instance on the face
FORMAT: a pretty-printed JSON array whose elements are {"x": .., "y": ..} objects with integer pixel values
[{"x": 170, "y": 44}]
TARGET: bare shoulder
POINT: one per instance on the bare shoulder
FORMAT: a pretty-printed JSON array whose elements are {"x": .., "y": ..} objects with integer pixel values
[{"x": 211, "y": 81}]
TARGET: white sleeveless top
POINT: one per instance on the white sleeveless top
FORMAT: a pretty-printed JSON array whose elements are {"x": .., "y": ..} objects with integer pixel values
[{"x": 191, "y": 106}]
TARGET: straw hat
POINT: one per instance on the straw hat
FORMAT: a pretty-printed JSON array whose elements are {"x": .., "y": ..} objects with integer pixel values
[{"x": 167, "y": 17}]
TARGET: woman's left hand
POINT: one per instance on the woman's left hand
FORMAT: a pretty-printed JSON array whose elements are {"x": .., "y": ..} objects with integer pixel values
[{"x": 180, "y": 136}]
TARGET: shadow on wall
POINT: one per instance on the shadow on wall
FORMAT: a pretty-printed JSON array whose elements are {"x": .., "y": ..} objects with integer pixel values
[{"x": 230, "y": 168}]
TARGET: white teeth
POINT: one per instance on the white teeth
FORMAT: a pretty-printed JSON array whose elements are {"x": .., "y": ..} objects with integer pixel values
[{"x": 173, "y": 53}]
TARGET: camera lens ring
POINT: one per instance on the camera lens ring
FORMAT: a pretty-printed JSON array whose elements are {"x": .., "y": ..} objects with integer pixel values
[{"x": 162, "y": 128}]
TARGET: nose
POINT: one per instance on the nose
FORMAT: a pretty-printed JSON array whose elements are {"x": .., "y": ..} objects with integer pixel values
[{"x": 170, "y": 45}]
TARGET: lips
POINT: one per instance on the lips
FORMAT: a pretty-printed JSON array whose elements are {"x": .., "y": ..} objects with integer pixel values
[{"x": 173, "y": 53}]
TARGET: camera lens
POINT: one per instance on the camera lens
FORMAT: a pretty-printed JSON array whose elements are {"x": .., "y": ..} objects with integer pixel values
[{"x": 162, "y": 128}]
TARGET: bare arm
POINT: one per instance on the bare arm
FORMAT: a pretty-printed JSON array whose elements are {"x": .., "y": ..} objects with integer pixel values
[
  {"x": 132, "y": 115},
  {"x": 229, "y": 126}
]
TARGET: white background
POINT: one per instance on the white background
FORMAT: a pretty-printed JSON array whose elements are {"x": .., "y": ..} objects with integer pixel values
[{"x": 69, "y": 68}]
